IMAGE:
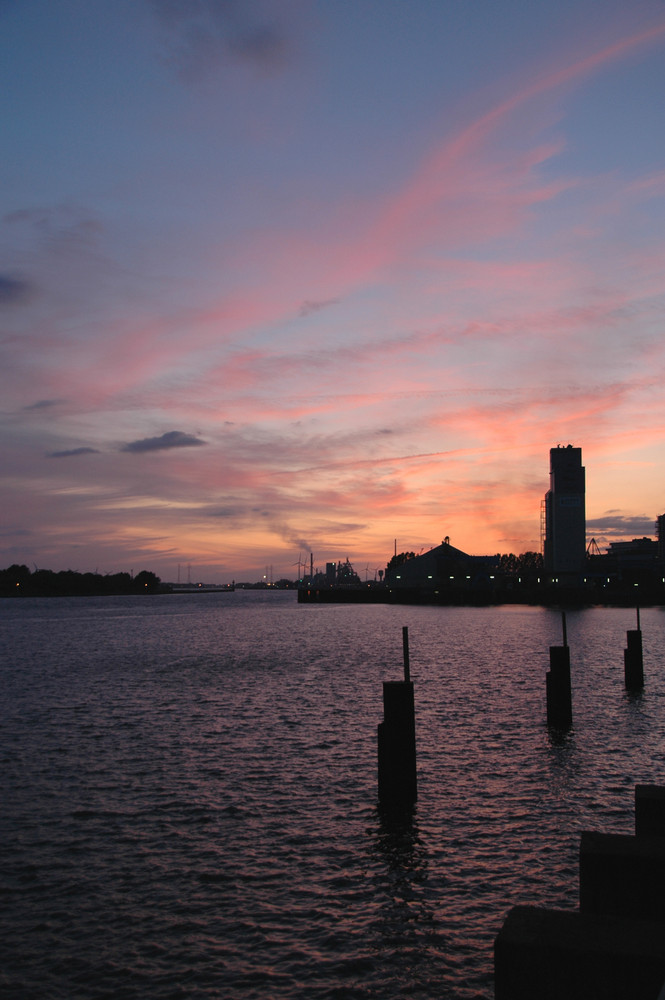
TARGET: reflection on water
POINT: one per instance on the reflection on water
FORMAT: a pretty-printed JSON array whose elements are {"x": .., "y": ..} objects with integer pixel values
[
  {"x": 564, "y": 762},
  {"x": 190, "y": 790}
]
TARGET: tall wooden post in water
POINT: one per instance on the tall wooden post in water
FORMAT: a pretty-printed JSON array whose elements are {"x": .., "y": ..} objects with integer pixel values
[
  {"x": 397, "y": 739},
  {"x": 559, "y": 699},
  {"x": 633, "y": 663}
]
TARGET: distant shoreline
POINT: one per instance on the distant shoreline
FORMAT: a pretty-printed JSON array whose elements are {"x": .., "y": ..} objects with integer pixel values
[{"x": 537, "y": 596}]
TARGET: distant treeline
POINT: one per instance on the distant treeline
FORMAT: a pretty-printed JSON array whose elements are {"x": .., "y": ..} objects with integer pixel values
[{"x": 19, "y": 581}]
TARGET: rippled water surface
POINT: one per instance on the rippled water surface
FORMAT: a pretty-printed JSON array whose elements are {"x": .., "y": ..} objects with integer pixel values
[{"x": 189, "y": 792}]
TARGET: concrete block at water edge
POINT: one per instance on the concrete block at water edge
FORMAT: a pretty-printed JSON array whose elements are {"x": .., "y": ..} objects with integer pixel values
[
  {"x": 624, "y": 875},
  {"x": 542, "y": 954},
  {"x": 650, "y": 810}
]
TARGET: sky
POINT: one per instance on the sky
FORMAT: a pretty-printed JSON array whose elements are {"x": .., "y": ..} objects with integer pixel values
[{"x": 283, "y": 279}]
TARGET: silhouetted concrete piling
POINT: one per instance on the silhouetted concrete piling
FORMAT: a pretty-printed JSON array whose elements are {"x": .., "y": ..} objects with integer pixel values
[
  {"x": 544, "y": 954},
  {"x": 633, "y": 663},
  {"x": 557, "y": 680},
  {"x": 612, "y": 947},
  {"x": 397, "y": 739},
  {"x": 649, "y": 811},
  {"x": 623, "y": 875}
]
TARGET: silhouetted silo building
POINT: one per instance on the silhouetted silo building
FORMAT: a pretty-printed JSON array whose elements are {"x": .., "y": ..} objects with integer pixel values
[
  {"x": 660, "y": 533},
  {"x": 564, "y": 548}
]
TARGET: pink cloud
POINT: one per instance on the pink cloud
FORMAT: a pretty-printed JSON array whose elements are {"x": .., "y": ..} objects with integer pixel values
[
  {"x": 459, "y": 168},
  {"x": 462, "y": 191}
]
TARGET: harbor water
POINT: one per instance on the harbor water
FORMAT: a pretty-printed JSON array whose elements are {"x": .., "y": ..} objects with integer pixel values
[{"x": 189, "y": 789}]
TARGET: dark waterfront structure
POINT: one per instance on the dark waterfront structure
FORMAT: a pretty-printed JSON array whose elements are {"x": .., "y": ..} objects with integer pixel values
[
  {"x": 634, "y": 561},
  {"x": 442, "y": 567},
  {"x": 443, "y": 575},
  {"x": 660, "y": 532},
  {"x": 564, "y": 548},
  {"x": 612, "y": 946},
  {"x": 567, "y": 573}
]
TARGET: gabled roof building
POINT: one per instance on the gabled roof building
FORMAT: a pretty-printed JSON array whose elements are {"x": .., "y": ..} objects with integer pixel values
[{"x": 442, "y": 566}]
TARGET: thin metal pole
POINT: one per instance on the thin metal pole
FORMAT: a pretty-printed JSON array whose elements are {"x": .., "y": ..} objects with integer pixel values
[{"x": 563, "y": 622}]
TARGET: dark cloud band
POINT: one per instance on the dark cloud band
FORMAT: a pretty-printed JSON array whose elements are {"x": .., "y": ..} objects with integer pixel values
[{"x": 172, "y": 439}]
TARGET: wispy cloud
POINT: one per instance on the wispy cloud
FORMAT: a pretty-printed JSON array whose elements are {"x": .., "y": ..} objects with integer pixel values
[
  {"x": 307, "y": 308},
  {"x": 73, "y": 452},
  {"x": 43, "y": 404},
  {"x": 201, "y": 34}
]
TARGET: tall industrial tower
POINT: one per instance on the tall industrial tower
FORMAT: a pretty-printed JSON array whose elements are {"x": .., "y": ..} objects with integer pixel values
[
  {"x": 564, "y": 548},
  {"x": 660, "y": 532}
]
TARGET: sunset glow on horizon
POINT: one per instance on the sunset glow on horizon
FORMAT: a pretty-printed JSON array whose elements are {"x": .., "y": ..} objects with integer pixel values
[{"x": 323, "y": 276}]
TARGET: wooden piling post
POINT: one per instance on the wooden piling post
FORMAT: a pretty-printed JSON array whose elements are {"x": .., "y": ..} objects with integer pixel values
[
  {"x": 397, "y": 739},
  {"x": 557, "y": 680},
  {"x": 633, "y": 662}
]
